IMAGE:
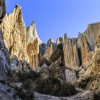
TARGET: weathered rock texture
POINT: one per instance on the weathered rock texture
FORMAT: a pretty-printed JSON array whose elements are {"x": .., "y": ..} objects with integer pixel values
[
  {"x": 75, "y": 60},
  {"x": 71, "y": 56},
  {"x": 92, "y": 32},
  {"x": 32, "y": 33},
  {"x": 14, "y": 35},
  {"x": 33, "y": 51},
  {"x": 18, "y": 38},
  {"x": 91, "y": 77},
  {"x": 79, "y": 51},
  {"x": 2, "y": 10},
  {"x": 4, "y": 53},
  {"x": 59, "y": 40},
  {"x": 46, "y": 50}
]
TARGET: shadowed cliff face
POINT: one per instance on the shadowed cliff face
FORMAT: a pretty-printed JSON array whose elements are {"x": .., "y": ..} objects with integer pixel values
[{"x": 2, "y": 10}]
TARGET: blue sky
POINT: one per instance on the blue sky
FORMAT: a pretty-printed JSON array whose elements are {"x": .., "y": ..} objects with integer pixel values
[{"x": 53, "y": 18}]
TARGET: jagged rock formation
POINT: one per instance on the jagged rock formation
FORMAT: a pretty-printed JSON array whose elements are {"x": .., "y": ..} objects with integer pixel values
[
  {"x": 17, "y": 37},
  {"x": 74, "y": 60},
  {"x": 82, "y": 53},
  {"x": 84, "y": 50},
  {"x": 59, "y": 40},
  {"x": 33, "y": 42},
  {"x": 14, "y": 35},
  {"x": 57, "y": 63},
  {"x": 91, "y": 77},
  {"x": 33, "y": 51},
  {"x": 92, "y": 32},
  {"x": 46, "y": 50},
  {"x": 32, "y": 33},
  {"x": 71, "y": 56}
]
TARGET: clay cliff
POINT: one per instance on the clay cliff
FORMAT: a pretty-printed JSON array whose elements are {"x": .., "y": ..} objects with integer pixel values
[
  {"x": 21, "y": 40},
  {"x": 74, "y": 61},
  {"x": 18, "y": 38}
]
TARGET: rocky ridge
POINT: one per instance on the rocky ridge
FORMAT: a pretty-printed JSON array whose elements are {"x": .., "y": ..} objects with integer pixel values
[{"x": 69, "y": 60}]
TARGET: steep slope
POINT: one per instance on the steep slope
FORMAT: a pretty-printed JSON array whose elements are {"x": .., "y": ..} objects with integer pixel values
[
  {"x": 91, "y": 77},
  {"x": 14, "y": 35},
  {"x": 85, "y": 44},
  {"x": 17, "y": 37}
]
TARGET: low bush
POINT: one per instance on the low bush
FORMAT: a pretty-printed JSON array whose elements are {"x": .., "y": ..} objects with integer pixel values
[
  {"x": 27, "y": 75},
  {"x": 52, "y": 86}
]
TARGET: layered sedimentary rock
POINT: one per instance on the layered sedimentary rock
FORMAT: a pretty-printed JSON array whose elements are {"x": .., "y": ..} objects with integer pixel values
[
  {"x": 33, "y": 51},
  {"x": 33, "y": 42},
  {"x": 85, "y": 44},
  {"x": 84, "y": 50},
  {"x": 71, "y": 56},
  {"x": 91, "y": 77},
  {"x": 92, "y": 33}
]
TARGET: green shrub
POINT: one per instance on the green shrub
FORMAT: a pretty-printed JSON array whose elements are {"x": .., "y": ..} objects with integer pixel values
[
  {"x": 52, "y": 86},
  {"x": 27, "y": 75},
  {"x": 26, "y": 92}
]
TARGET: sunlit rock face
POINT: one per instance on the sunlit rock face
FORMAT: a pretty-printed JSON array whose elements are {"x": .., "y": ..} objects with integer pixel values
[
  {"x": 71, "y": 56},
  {"x": 14, "y": 33},
  {"x": 32, "y": 33},
  {"x": 92, "y": 33},
  {"x": 82, "y": 53},
  {"x": 18, "y": 38},
  {"x": 84, "y": 50},
  {"x": 92, "y": 74},
  {"x": 33, "y": 51},
  {"x": 59, "y": 40}
]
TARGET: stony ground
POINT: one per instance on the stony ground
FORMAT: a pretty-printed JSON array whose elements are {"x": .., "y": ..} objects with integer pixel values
[
  {"x": 83, "y": 95},
  {"x": 7, "y": 93}
]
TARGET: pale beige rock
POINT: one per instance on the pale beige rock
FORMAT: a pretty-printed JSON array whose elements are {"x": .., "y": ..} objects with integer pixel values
[
  {"x": 32, "y": 33},
  {"x": 59, "y": 40},
  {"x": 14, "y": 35},
  {"x": 92, "y": 33},
  {"x": 33, "y": 51},
  {"x": 85, "y": 52},
  {"x": 93, "y": 72},
  {"x": 71, "y": 55}
]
